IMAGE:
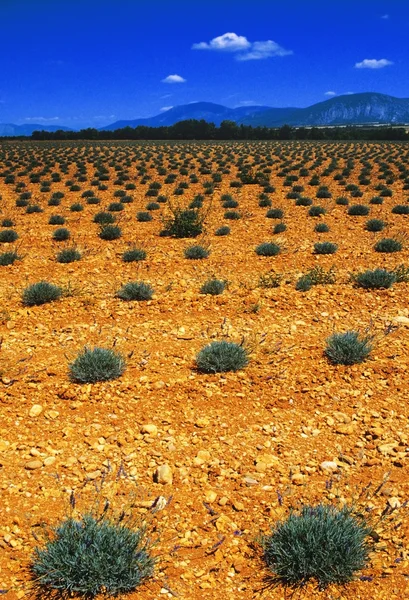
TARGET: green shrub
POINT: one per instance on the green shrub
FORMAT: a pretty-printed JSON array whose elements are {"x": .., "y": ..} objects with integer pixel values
[
  {"x": 232, "y": 215},
  {"x": 92, "y": 555},
  {"x": 76, "y": 207},
  {"x": 303, "y": 201},
  {"x": 133, "y": 255},
  {"x": 61, "y": 234},
  {"x": 304, "y": 283},
  {"x": 56, "y": 220},
  {"x": 196, "y": 252},
  {"x": 115, "y": 207},
  {"x": 321, "y": 228},
  {"x": 388, "y": 245},
  {"x": 375, "y": 280},
  {"x": 358, "y": 210},
  {"x": 322, "y": 543},
  {"x": 96, "y": 364},
  {"x": 153, "y": 206},
  {"x": 196, "y": 203},
  {"x": 275, "y": 213},
  {"x": 376, "y": 200},
  {"x": 33, "y": 208},
  {"x": 224, "y": 230},
  {"x": 135, "y": 291},
  {"x": 316, "y": 211},
  {"x": 375, "y": 225},
  {"x": 7, "y": 222},
  {"x": 104, "y": 218},
  {"x": 41, "y": 293},
  {"x": 401, "y": 209},
  {"x": 325, "y": 248},
  {"x": 230, "y": 203},
  {"x": 402, "y": 274},
  {"x": 342, "y": 201},
  {"x": 21, "y": 203},
  {"x": 143, "y": 217},
  {"x": 279, "y": 228},
  {"x": 323, "y": 192},
  {"x": 68, "y": 255},
  {"x": 8, "y": 236},
  {"x": 268, "y": 249},
  {"x": 219, "y": 357},
  {"x": 348, "y": 348},
  {"x": 110, "y": 232},
  {"x": 8, "y": 258},
  {"x": 213, "y": 287}
]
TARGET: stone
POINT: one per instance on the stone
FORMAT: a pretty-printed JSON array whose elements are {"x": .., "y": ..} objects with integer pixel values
[
  {"x": 34, "y": 464},
  {"x": 387, "y": 448},
  {"x": 50, "y": 460},
  {"x": 249, "y": 481},
  {"x": 329, "y": 465},
  {"x": 344, "y": 429},
  {"x": 203, "y": 456},
  {"x": 210, "y": 496},
  {"x": 35, "y": 410},
  {"x": 238, "y": 506},
  {"x": 298, "y": 479},
  {"x": 394, "y": 502},
  {"x": 150, "y": 429},
  {"x": 401, "y": 320},
  {"x": 163, "y": 475}
]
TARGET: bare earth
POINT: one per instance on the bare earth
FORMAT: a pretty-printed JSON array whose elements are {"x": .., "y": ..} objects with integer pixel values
[{"x": 243, "y": 447}]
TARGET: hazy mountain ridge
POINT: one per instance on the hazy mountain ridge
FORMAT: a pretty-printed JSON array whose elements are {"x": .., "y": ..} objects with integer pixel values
[
  {"x": 351, "y": 109},
  {"x": 213, "y": 113},
  {"x": 10, "y": 129}
]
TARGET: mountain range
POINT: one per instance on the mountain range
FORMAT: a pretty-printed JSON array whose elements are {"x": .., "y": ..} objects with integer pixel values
[
  {"x": 351, "y": 109},
  {"x": 9, "y": 129}
]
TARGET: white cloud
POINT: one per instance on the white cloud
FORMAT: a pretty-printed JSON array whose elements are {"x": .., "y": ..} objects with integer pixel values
[
  {"x": 103, "y": 117},
  {"x": 330, "y": 93},
  {"x": 261, "y": 50},
  {"x": 173, "y": 79},
  {"x": 385, "y": 17},
  {"x": 42, "y": 119},
  {"x": 373, "y": 63},
  {"x": 246, "y": 103},
  {"x": 244, "y": 49},
  {"x": 165, "y": 108},
  {"x": 228, "y": 42}
]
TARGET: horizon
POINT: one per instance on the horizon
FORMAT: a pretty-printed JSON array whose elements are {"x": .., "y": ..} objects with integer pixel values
[{"x": 91, "y": 63}]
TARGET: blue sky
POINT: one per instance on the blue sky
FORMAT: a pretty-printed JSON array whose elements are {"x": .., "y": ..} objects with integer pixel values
[{"x": 91, "y": 62}]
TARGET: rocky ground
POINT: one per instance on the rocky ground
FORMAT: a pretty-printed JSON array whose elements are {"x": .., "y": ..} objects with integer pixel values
[{"x": 227, "y": 454}]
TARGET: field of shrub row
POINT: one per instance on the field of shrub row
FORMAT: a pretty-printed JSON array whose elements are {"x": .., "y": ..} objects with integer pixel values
[{"x": 223, "y": 325}]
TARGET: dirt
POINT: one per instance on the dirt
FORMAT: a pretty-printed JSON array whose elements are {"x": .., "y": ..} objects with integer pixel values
[{"x": 242, "y": 447}]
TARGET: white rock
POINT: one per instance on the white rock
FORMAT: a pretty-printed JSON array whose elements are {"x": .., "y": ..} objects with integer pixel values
[
  {"x": 163, "y": 474},
  {"x": 150, "y": 429},
  {"x": 35, "y": 410},
  {"x": 329, "y": 465}
]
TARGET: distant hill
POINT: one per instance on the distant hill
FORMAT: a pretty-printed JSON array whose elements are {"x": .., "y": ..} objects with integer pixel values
[
  {"x": 351, "y": 109},
  {"x": 213, "y": 113},
  {"x": 9, "y": 129}
]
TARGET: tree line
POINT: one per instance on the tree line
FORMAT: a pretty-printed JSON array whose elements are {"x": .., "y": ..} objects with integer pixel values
[{"x": 193, "y": 129}]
